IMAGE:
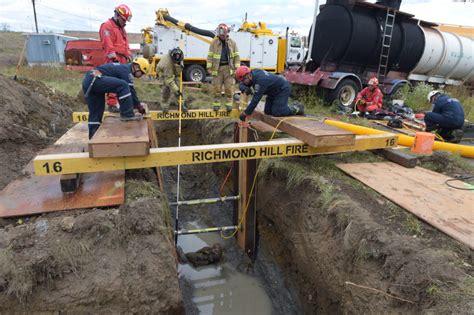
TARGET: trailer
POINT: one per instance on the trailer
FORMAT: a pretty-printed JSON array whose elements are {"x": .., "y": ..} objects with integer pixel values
[
  {"x": 353, "y": 41},
  {"x": 259, "y": 47}
]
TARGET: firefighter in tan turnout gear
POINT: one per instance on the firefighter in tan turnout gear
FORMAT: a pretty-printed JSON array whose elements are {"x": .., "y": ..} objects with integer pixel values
[
  {"x": 169, "y": 72},
  {"x": 222, "y": 61}
]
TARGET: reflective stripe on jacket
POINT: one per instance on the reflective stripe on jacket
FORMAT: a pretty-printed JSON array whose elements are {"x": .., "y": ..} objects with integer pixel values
[
  {"x": 214, "y": 55},
  {"x": 114, "y": 41},
  {"x": 168, "y": 72}
]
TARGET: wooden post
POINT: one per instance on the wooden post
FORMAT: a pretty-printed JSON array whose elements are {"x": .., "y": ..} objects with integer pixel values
[{"x": 246, "y": 236}]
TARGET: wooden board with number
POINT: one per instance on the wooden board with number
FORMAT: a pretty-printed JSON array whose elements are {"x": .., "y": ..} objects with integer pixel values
[{"x": 423, "y": 193}]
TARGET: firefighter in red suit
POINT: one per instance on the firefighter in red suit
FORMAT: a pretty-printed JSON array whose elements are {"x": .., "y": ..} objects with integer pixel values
[
  {"x": 115, "y": 43},
  {"x": 370, "y": 98}
]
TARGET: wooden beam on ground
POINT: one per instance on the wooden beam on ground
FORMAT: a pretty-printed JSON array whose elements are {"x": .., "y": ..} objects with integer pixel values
[
  {"x": 314, "y": 133},
  {"x": 247, "y": 234},
  {"x": 192, "y": 114},
  {"x": 118, "y": 138},
  {"x": 423, "y": 193},
  {"x": 70, "y": 163},
  {"x": 401, "y": 158}
]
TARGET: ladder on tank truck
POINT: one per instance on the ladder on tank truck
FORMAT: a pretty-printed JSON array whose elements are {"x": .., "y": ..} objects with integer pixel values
[{"x": 386, "y": 42}]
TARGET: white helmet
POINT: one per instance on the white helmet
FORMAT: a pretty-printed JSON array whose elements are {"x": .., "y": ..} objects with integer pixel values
[{"x": 431, "y": 94}]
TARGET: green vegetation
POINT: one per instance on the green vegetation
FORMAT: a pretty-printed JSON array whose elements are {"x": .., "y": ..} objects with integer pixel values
[{"x": 415, "y": 97}]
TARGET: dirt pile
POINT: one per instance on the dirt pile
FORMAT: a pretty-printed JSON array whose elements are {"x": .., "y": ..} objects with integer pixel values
[
  {"x": 32, "y": 117},
  {"x": 95, "y": 261}
]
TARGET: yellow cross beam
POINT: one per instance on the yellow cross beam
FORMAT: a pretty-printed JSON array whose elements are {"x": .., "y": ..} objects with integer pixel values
[
  {"x": 192, "y": 114},
  {"x": 71, "y": 163}
]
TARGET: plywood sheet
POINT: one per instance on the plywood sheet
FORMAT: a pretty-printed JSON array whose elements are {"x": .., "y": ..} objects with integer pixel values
[
  {"x": 39, "y": 194},
  {"x": 423, "y": 193},
  {"x": 35, "y": 194},
  {"x": 313, "y": 133},
  {"x": 118, "y": 138}
]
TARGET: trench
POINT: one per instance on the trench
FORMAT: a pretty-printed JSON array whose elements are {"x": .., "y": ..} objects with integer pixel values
[{"x": 236, "y": 285}]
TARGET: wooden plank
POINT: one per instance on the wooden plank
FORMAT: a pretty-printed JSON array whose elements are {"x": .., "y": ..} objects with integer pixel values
[
  {"x": 313, "y": 133},
  {"x": 246, "y": 235},
  {"x": 78, "y": 135},
  {"x": 401, "y": 158},
  {"x": 263, "y": 127},
  {"x": 423, "y": 193},
  {"x": 34, "y": 194},
  {"x": 117, "y": 138}
]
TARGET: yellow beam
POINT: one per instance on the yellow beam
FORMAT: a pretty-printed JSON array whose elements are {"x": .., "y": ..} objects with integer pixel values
[
  {"x": 71, "y": 163},
  {"x": 192, "y": 114}
]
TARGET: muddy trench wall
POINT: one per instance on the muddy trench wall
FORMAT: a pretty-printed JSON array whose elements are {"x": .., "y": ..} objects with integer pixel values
[{"x": 348, "y": 250}]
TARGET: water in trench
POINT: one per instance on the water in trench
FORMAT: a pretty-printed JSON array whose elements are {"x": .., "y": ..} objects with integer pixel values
[
  {"x": 235, "y": 285},
  {"x": 221, "y": 289}
]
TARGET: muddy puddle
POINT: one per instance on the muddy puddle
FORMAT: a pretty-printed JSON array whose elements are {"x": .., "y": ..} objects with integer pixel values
[{"x": 221, "y": 288}]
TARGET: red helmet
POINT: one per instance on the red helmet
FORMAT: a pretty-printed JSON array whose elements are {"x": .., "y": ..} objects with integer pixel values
[
  {"x": 124, "y": 11},
  {"x": 373, "y": 81},
  {"x": 241, "y": 72},
  {"x": 222, "y": 29}
]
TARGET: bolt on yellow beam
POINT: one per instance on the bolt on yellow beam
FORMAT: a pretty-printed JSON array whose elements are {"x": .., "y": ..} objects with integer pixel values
[
  {"x": 192, "y": 114},
  {"x": 71, "y": 163}
]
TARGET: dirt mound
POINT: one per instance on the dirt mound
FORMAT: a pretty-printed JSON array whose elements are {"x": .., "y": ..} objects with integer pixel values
[
  {"x": 95, "y": 261},
  {"x": 32, "y": 117}
]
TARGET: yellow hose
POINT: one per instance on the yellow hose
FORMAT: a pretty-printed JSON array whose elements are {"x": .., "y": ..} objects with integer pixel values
[{"x": 463, "y": 150}]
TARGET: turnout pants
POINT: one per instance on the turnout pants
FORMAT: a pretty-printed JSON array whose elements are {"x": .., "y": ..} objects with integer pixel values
[
  {"x": 443, "y": 124},
  {"x": 96, "y": 98},
  {"x": 223, "y": 77}
]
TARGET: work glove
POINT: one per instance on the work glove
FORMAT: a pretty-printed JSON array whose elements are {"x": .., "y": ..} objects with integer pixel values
[
  {"x": 243, "y": 116},
  {"x": 178, "y": 94},
  {"x": 141, "y": 108}
]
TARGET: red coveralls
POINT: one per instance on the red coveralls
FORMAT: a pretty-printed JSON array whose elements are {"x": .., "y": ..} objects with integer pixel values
[
  {"x": 115, "y": 43},
  {"x": 368, "y": 100}
]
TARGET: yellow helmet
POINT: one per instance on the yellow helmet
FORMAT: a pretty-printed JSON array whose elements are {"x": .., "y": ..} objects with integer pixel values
[{"x": 142, "y": 63}]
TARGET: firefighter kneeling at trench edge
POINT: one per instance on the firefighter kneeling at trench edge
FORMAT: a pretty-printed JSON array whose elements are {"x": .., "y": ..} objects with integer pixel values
[{"x": 275, "y": 87}]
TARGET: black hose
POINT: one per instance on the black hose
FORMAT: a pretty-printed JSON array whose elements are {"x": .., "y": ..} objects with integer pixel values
[{"x": 191, "y": 28}]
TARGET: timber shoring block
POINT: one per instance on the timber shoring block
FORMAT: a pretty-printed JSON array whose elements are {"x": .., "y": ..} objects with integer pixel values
[
  {"x": 116, "y": 138},
  {"x": 69, "y": 182},
  {"x": 313, "y": 133},
  {"x": 399, "y": 157}
]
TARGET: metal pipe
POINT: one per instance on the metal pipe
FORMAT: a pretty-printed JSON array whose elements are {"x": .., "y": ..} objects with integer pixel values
[
  {"x": 204, "y": 200},
  {"x": 206, "y": 230},
  {"x": 463, "y": 150}
]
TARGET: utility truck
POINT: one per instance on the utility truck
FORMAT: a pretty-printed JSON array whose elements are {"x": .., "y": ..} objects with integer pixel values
[{"x": 259, "y": 47}]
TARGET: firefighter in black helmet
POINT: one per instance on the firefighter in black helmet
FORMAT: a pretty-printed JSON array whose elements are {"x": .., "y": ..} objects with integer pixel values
[{"x": 169, "y": 72}]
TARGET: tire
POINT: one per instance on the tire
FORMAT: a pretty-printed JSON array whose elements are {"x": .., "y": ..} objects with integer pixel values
[
  {"x": 344, "y": 95},
  {"x": 195, "y": 73}
]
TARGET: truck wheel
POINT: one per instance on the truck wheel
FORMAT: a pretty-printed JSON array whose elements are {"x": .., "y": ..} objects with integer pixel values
[
  {"x": 344, "y": 95},
  {"x": 195, "y": 73}
]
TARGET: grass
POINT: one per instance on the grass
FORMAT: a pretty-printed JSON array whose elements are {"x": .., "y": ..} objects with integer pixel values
[
  {"x": 137, "y": 189},
  {"x": 415, "y": 97}
]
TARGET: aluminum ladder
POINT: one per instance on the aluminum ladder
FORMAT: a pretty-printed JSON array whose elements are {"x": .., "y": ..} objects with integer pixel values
[{"x": 386, "y": 42}]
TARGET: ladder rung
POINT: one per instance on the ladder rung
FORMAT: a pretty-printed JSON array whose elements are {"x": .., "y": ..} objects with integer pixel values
[{"x": 386, "y": 45}]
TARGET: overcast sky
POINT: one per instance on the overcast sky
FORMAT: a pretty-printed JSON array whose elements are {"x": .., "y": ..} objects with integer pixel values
[{"x": 87, "y": 15}]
